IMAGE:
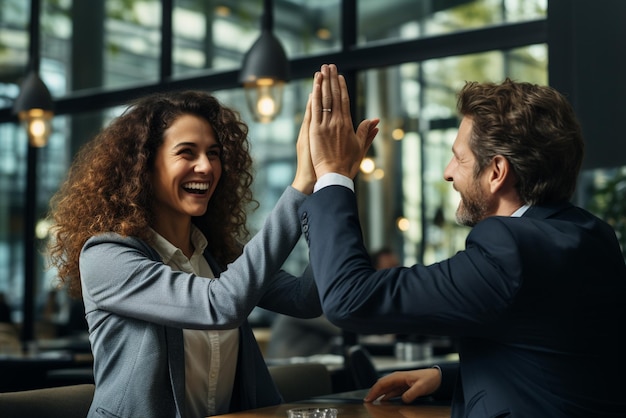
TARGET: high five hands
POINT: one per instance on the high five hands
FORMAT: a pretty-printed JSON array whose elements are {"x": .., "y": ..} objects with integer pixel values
[
  {"x": 327, "y": 142},
  {"x": 335, "y": 146}
]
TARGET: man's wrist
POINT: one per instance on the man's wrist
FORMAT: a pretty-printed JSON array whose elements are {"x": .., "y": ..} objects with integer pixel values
[{"x": 333, "y": 179}]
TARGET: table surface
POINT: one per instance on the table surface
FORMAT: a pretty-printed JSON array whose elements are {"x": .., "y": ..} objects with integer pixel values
[
  {"x": 383, "y": 364},
  {"x": 352, "y": 410}
]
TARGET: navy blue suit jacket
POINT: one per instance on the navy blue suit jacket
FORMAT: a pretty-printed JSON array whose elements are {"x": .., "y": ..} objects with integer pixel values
[{"x": 537, "y": 304}]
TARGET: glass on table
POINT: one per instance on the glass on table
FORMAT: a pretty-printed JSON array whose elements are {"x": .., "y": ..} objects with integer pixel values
[{"x": 312, "y": 413}]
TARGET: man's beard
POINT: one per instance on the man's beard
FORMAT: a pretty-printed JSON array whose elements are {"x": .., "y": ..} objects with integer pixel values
[{"x": 474, "y": 206}]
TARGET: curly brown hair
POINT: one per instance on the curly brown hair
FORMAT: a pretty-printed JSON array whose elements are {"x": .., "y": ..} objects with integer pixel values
[
  {"x": 108, "y": 188},
  {"x": 534, "y": 127}
]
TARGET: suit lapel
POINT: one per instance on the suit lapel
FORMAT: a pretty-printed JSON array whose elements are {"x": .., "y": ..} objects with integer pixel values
[{"x": 176, "y": 364}]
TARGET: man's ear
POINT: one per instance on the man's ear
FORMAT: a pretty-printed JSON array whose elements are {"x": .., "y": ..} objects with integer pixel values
[{"x": 501, "y": 174}]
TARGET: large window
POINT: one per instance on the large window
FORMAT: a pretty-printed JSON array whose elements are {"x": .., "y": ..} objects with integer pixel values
[
  {"x": 410, "y": 205},
  {"x": 405, "y": 59},
  {"x": 409, "y": 19}
]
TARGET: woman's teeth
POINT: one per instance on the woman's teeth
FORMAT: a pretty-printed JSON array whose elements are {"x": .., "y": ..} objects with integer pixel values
[{"x": 196, "y": 187}]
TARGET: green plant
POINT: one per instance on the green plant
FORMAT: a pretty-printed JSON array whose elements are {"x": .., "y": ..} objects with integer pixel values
[{"x": 608, "y": 201}]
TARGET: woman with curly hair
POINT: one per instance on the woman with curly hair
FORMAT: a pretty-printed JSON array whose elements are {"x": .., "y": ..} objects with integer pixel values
[{"x": 147, "y": 229}]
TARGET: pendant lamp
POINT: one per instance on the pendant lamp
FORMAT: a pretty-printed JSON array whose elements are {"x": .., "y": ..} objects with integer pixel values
[
  {"x": 264, "y": 71},
  {"x": 34, "y": 105},
  {"x": 34, "y": 108}
]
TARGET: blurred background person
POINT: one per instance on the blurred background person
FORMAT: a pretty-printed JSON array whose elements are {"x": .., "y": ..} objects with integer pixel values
[
  {"x": 384, "y": 258},
  {"x": 297, "y": 337},
  {"x": 9, "y": 334}
]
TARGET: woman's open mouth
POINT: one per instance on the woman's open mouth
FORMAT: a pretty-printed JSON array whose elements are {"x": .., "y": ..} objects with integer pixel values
[{"x": 196, "y": 188}]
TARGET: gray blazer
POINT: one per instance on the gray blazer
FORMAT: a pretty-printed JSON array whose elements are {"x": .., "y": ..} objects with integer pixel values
[{"x": 136, "y": 308}]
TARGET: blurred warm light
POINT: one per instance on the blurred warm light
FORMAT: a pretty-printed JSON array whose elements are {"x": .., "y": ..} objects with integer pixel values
[
  {"x": 38, "y": 123},
  {"x": 397, "y": 134},
  {"x": 378, "y": 174},
  {"x": 42, "y": 228},
  {"x": 266, "y": 106},
  {"x": 368, "y": 165},
  {"x": 403, "y": 224},
  {"x": 323, "y": 34},
  {"x": 222, "y": 11}
]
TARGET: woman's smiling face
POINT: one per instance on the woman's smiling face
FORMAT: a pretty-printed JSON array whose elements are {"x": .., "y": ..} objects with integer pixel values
[{"x": 187, "y": 169}]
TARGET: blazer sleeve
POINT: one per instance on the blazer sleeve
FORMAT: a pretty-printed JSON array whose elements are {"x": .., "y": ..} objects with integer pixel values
[
  {"x": 449, "y": 298},
  {"x": 293, "y": 295},
  {"x": 122, "y": 276},
  {"x": 449, "y": 375}
]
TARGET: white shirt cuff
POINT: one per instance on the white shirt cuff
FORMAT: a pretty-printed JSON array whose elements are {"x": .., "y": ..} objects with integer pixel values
[{"x": 333, "y": 179}]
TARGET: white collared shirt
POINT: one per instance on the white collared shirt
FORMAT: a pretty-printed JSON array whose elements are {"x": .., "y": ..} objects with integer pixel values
[
  {"x": 518, "y": 213},
  {"x": 210, "y": 356},
  {"x": 331, "y": 179}
]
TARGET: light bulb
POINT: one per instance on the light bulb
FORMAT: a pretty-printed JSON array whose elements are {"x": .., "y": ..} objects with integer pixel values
[
  {"x": 265, "y": 103},
  {"x": 38, "y": 125},
  {"x": 403, "y": 224},
  {"x": 264, "y": 98}
]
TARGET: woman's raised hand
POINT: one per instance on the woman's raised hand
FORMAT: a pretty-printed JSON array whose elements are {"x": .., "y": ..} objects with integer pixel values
[{"x": 304, "y": 179}]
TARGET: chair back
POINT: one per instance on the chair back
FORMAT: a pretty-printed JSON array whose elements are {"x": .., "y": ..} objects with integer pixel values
[
  {"x": 300, "y": 381},
  {"x": 57, "y": 402},
  {"x": 361, "y": 367}
]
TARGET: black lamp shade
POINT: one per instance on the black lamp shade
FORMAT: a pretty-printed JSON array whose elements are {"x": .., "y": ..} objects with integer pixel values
[
  {"x": 33, "y": 95},
  {"x": 265, "y": 59}
]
